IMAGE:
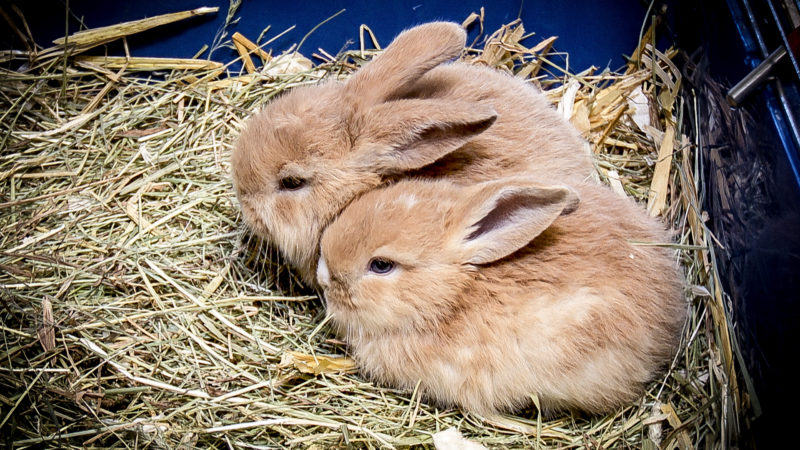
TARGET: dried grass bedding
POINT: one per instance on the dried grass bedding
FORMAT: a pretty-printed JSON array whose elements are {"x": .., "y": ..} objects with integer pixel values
[{"x": 136, "y": 311}]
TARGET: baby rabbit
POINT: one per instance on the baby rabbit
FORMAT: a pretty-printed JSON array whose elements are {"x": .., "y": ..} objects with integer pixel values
[
  {"x": 490, "y": 293},
  {"x": 308, "y": 153}
]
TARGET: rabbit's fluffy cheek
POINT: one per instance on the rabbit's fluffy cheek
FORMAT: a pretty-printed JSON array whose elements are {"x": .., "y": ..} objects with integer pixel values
[
  {"x": 389, "y": 313},
  {"x": 253, "y": 213},
  {"x": 352, "y": 316},
  {"x": 407, "y": 298},
  {"x": 375, "y": 306},
  {"x": 339, "y": 303},
  {"x": 376, "y": 303},
  {"x": 284, "y": 223}
]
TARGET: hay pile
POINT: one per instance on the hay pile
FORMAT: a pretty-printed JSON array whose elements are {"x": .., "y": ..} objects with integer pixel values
[{"x": 136, "y": 311}]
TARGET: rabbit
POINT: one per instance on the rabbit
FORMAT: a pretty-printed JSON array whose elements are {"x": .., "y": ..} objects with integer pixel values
[
  {"x": 308, "y": 153},
  {"x": 487, "y": 294}
]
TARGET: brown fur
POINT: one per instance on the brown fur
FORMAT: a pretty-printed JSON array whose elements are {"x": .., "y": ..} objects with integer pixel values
[
  {"x": 563, "y": 305},
  {"x": 405, "y": 113}
]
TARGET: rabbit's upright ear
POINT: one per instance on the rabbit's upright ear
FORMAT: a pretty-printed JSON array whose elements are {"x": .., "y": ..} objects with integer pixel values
[
  {"x": 408, "y": 134},
  {"x": 501, "y": 217},
  {"x": 411, "y": 54}
]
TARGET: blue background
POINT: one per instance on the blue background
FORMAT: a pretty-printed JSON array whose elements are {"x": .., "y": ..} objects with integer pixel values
[{"x": 582, "y": 26}]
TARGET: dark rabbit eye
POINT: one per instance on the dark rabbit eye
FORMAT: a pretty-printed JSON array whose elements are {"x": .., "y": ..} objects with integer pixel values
[
  {"x": 292, "y": 183},
  {"x": 381, "y": 265}
]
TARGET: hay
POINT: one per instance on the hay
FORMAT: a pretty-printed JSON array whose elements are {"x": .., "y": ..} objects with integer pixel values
[{"x": 137, "y": 311}]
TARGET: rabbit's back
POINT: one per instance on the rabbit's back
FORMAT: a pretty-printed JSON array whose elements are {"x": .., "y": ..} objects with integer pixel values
[
  {"x": 601, "y": 301},
  {"x": 533, "y": 137}
]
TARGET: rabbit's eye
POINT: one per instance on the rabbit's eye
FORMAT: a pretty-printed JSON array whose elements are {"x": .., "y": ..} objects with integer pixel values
[
  {"x": 291, "y": 183},
  {"x": 381, "y": 265}
]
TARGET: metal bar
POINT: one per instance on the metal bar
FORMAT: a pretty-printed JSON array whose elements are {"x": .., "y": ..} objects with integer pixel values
[
  {"x": 784, "y": 38},
  {"x": 777, "y": 103},
  {"x": 793, "y": 13},
  {"x": 754, "y": 25},
  {"x": 792, "y": 156},
  {"x": 753, "y": 79}
]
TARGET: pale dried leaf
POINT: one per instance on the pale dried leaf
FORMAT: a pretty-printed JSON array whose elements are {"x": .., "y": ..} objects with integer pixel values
[
  {"x": 317, "y": 364},
  {"x": 46, "y": 332}
]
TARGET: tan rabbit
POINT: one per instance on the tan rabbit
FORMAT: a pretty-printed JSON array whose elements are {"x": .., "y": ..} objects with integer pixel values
[
  {"x": 488, "y": 294},
  {"x": 310, "y": 152}
]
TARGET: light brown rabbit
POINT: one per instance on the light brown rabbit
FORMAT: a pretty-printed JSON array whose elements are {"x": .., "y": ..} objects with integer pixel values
[
  {"x": 488, "y": 294},
  {"x": 310, "y": 152}
]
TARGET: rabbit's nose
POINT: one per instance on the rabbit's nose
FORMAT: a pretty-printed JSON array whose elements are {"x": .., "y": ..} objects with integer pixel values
[{"x": 323, "y": 275}]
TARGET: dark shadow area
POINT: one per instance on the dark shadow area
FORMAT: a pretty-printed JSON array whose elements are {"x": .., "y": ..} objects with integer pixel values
[{"x": 753, "y": 201}]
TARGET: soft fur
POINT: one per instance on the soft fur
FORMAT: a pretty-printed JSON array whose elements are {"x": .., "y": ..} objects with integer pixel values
[
  {"x": 502, "y": 290},
  {"x": 408, "y": 112}
]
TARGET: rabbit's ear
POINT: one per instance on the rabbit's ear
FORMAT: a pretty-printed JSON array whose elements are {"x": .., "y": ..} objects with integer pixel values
[
  {"x": 502, "y": 217},
  {"x": 411, "y": 54},
  {"x": 404, "y": 135}
]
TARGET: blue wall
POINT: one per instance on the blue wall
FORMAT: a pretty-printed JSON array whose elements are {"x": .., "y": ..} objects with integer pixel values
[{"x": 592, "y": 32}]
